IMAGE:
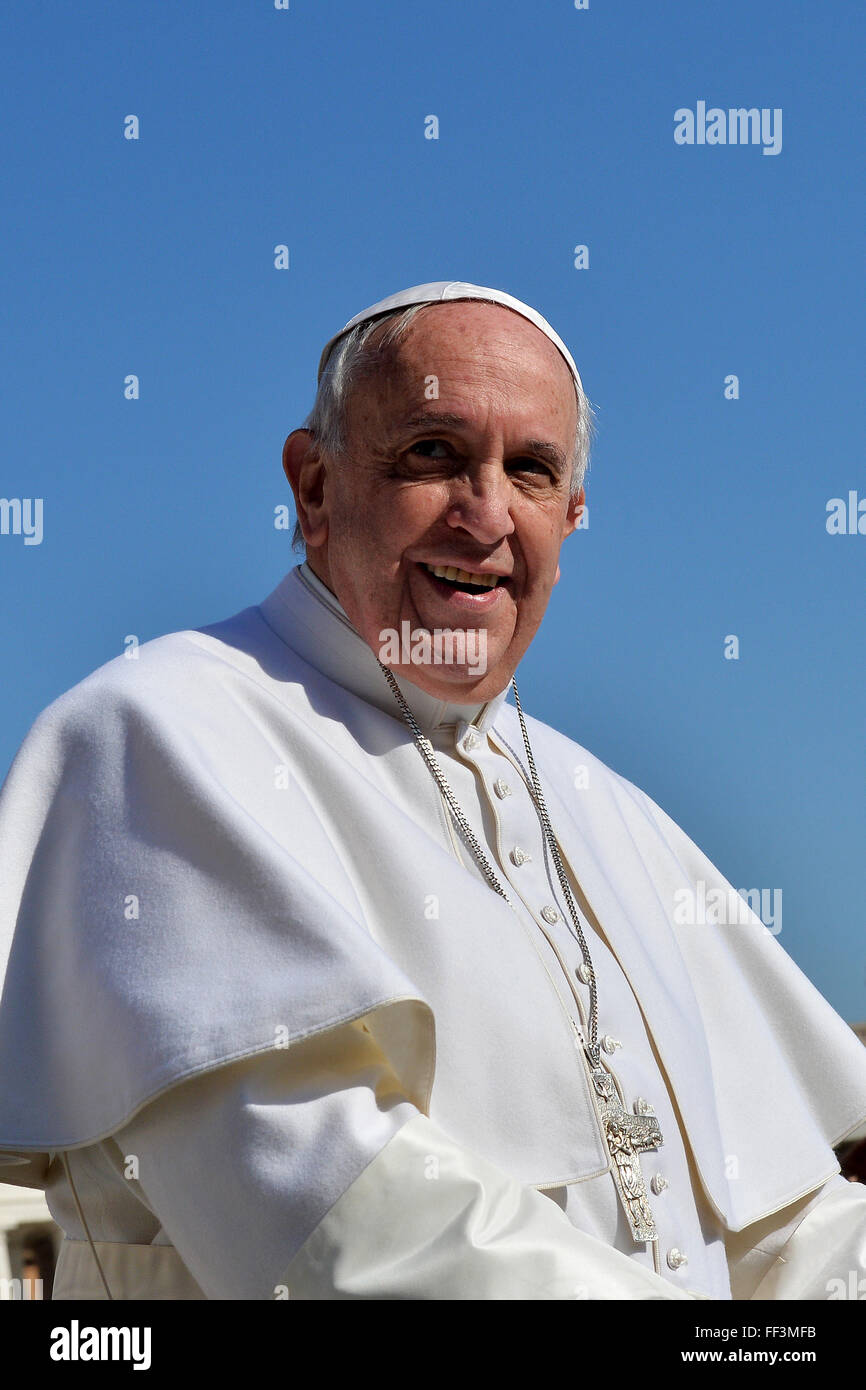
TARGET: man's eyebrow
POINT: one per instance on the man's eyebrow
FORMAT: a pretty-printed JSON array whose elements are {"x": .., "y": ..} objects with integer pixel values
[
  {"x": 445, "y": 419},
  {"x": 425, "y": 419}
]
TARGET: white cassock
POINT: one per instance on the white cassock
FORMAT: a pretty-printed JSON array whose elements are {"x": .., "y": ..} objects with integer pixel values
[{"x": 264, "y": 1012}]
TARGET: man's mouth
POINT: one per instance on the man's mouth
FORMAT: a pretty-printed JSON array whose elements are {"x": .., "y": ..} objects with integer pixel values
[{"x": 467, "y": 581}]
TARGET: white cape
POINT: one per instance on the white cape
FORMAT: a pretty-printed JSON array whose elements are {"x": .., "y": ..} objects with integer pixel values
[{"x": 267, "y": 910}]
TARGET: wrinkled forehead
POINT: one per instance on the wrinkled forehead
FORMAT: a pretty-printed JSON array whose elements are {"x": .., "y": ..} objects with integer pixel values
[
  {"x": 441, "y": 341},
  {"x": 443, "y": 292},
  {"x": 465, "y": 366}
]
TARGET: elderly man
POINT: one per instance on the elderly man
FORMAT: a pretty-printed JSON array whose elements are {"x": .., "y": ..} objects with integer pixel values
[{"x": 330, "y": 979}]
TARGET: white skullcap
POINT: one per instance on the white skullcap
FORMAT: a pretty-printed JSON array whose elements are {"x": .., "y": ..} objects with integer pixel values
[{"x": 443, "y": 291}]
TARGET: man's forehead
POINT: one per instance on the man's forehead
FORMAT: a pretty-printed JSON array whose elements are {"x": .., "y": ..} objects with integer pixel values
[
  {"x": 525, "y": 393},
  {"x": 448, "y": 291},
  {"x": 460, "y": 331},
  {"x": 530, "y": 393}
]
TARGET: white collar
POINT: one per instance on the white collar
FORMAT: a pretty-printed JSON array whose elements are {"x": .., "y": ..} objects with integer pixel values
[{"x": 306, "y": 615}]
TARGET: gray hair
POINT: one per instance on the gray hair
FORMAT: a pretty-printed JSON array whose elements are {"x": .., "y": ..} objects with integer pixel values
[{"x": 352, "y": 356}]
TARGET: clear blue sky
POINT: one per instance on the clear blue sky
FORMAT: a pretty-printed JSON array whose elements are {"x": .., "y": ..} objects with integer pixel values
[{"x": 306, "y": 127}]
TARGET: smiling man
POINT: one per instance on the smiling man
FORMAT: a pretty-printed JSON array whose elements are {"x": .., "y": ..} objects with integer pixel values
[
  {"x": 484, "y": 479},
  {"x": 336, "y": 981}
]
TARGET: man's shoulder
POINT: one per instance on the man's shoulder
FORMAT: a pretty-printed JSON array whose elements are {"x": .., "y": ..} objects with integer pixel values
[
  {"x": 596, "y": 793},
  {"x": 161, "y": 678},
  {"x": 131, "y": 678},
  {"x": 561, "y": 754},
  {"x": 570, "y": 767}
]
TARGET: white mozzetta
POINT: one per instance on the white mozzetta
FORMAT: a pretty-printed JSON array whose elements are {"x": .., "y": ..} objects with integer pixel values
[{"x": 251, "y": 788}]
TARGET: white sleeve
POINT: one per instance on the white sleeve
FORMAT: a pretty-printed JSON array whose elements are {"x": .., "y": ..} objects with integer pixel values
[
  {"x": 429, "y": 1220},
  {"x": 305, "y": 1174},
  {"x": 240, "y": 1164},
  {"x": 814, "y": 1249}
]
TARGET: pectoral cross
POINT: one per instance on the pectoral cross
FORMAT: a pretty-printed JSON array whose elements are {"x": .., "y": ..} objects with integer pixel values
[{"x": 627, "y": 1137}]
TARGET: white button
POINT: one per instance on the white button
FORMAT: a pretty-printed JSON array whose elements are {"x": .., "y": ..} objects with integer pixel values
[
  {"x": 584, "y": 973},
  {"x": 519, "y": 856},
  {"x": 643, "y": 1107},
  {"x": 471, "y": 740},
  {"x": 676, "y": 1258},
  {"x": 610, "y": 1044},
  {"x": 659, "y": 1183},
  {"x": 501, "y": 788},
  {"x": 550, "y": 915}
]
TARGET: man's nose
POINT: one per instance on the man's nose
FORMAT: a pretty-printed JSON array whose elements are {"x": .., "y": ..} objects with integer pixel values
[{"x": 480, "y": 503}]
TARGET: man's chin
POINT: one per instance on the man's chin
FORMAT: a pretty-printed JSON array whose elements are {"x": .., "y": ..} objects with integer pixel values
[
  {"x": 460, "y": 663},
  {"x": 457, "y": 684}
]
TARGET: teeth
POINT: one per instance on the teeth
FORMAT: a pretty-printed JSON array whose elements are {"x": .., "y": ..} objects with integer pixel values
[{"x": 488, "y": 581}]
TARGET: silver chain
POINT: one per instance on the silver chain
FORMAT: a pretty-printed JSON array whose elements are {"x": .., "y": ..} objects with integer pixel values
[{"x": 425, "y": 748}]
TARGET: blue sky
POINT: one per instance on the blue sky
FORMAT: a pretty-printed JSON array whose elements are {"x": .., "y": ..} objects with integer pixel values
[{"x": 556, "y": 128}]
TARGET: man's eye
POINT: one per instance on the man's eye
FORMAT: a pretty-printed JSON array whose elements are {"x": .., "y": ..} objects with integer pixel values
[
  {"x": 424, "y": 445},
  {"x": 530, "y": 465},
  {"x": 426, "y": 448}
]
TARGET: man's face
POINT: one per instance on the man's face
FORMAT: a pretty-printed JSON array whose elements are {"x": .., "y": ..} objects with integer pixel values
[{"x": 475, "y": 479}]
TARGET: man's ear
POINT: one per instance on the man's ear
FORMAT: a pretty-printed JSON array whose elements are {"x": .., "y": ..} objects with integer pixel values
[
  {"x": 573, "y": 512},
  {"x": 305, "y": 469}
]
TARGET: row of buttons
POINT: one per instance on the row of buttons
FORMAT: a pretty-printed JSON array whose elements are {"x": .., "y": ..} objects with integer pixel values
[{"x": 675, "y": 1257}]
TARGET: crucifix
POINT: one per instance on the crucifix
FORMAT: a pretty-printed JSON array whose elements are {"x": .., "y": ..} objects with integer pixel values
[{"x": 628, "y": 1136}]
